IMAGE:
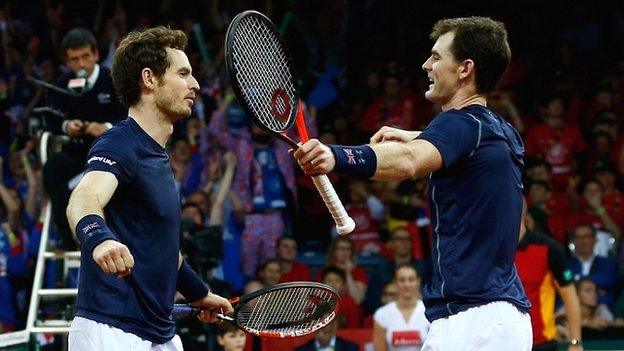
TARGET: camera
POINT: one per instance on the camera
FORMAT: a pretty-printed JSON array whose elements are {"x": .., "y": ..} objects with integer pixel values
[{"x": 202, "y": 245}]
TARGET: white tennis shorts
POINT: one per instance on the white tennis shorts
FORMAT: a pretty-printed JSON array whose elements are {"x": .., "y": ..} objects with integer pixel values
[
  {"x": 88, "y": 335},
  {"x": 492, "y": 327}
]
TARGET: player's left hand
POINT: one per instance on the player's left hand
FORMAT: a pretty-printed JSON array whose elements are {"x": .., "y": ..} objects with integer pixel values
[
  {"x": 315, "y": 157},
  {"x": 95, "y": 129},
  {"x": 211, "y": 305}
]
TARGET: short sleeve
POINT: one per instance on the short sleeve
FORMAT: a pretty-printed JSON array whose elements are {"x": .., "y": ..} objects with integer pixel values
[
  {"x": 380, "y": 316},
  {"x": 455, "y": 136},
  {"x": 558, "y": 265},
  {"x": 114, "y": 155}
]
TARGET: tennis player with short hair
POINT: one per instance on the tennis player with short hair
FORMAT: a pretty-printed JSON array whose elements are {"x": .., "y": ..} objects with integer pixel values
[
  {"x": 474, "y": 161},
  {"x": 131, "y": 265}
]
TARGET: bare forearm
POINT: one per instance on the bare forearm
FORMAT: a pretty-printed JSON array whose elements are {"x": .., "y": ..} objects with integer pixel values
[
  {"x": 404, "y": 160},
  {"x": 573, "y": 310},
  {"x": 610, "y": 224},
  {"x": 10, "y": 204},
  {"x": 82, "y": 203},
  {"x": 30, "y": 205},
  {"x": 216, "y": 213}
]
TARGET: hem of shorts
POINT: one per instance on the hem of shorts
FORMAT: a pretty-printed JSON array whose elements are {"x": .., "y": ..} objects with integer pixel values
[
  {"x": 464, "y": 307},
  {"x": 120, "y": 324}
]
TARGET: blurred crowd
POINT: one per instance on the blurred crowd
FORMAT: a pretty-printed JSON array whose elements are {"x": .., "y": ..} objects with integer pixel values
[{"x": 252, "y": 219}]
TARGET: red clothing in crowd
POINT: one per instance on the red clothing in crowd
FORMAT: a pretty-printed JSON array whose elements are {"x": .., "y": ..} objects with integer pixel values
[
  {"x": 557, "y": 147},
  {"x": 351, "y": 311},
  {"x": 366, "y": 232},
  {"x": 298, "y": 272},
  {"x": 379, "y": 113},
  {"x": 613, "y": 202},
  {"x": 359, "y": 275}
]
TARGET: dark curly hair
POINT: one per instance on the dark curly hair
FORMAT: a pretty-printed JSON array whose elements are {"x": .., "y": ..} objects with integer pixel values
[
  {"x": 482, "y": 40},
  {"x": 139, "y": 50}
]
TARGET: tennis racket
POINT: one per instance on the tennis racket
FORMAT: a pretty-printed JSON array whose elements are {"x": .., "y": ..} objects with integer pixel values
[
  {"x": 260, "y": 69},
  {"x": 286, "y": 310}
]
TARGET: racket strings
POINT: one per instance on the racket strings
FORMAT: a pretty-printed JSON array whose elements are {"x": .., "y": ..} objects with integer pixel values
[
  {"x": 262, "y": 69},
  {"x": 287, "y": 311}
]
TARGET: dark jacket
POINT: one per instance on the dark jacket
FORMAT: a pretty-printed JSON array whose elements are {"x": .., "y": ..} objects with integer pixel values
[{"x": 341, "y": 345}]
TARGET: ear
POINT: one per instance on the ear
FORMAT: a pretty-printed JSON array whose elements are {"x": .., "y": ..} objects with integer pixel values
[
  {"x": 148, "y": 78},
  {"x": 466, "y": 69}
]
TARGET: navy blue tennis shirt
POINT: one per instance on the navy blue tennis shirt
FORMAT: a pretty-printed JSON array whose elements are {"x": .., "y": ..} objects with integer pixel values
[
  {"x": 144, "y": 214},
  {"x": 476, "y": 207}
]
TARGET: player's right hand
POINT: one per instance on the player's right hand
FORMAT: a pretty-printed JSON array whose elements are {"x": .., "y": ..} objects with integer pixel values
[
  {"x": 393, "y": 134},
  {"x": 113, "y": 257},
  {"x": 210, "y": 306}
]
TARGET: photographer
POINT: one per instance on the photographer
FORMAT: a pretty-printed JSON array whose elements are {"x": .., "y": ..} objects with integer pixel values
[{"x": 90, "y": 111}]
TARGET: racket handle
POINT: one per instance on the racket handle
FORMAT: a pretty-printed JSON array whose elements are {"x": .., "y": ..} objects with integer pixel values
[
  {"x": 344, "y": 223},
  {"x": 182, "y": 310}
]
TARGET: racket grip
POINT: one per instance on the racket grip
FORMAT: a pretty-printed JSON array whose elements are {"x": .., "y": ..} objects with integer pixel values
[
  {"x": 344, "y": 223},
  {"x": 182, "y": 310}
]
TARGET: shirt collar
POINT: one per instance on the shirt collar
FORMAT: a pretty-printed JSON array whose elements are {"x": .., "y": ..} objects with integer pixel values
[
  {"x": 332, "y": 344},
  {"x": 94, "y": 75}
]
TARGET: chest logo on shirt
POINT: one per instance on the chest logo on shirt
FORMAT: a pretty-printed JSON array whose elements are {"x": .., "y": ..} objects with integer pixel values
[
  {"x": 406, "y": 338},
  {"x": 102, "y": 159}
]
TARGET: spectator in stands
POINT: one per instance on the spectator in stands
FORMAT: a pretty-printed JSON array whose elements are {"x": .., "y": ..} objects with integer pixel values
[
  {"x": 592, "y": 210},
  {"x": 586, "y": 264},
  {"x": 326, "y": 340},
  {"x": 287, "y": 255},
  {"x": 367, "y": 211},
  {"x": 402, "y": 323},
  {"x": 265, "y": 182},
  {"x": 594, "y": 315},
  {"x": 543, "y": 271},
  {"x": 556, "y": 141},
  {"x": 7, "y": 313},
  {"x": 341, "y": 253},
  {"x": 88, "y": 115},
  {"x": 538, "y": 198},
  {"x": 400, "y": 245},
  {"x": 16, "y": 225},
  {"x": 394, "y": 108},
  {"x": 269, "y": 273},
  {"x": 187, "y": 167},
  {"x": 389, "y": 293},
  {"x": 230, "y": 337},
  {"x": 599, "y": 151},
  {"x": 408, "y": 207},
  {"x": 612, "y": 197},
  {"x": 351, "y": 312}
]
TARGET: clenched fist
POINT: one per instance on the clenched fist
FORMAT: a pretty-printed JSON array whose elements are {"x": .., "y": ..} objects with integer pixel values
[{"x": 113, "y": 257}]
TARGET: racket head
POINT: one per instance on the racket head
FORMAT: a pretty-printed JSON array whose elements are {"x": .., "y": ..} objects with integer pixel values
[
  {"x": 287, "y": 310},
  {"x": 260, "y": 70}
]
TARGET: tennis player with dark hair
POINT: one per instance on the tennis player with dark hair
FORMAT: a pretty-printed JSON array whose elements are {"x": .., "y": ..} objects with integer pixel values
[
  {"x": 474, "y": 162},
  {"x": 131, "y": 265}
]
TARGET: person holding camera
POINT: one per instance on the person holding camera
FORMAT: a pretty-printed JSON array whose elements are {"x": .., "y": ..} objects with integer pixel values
[{"x": 91, "y": 107}]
